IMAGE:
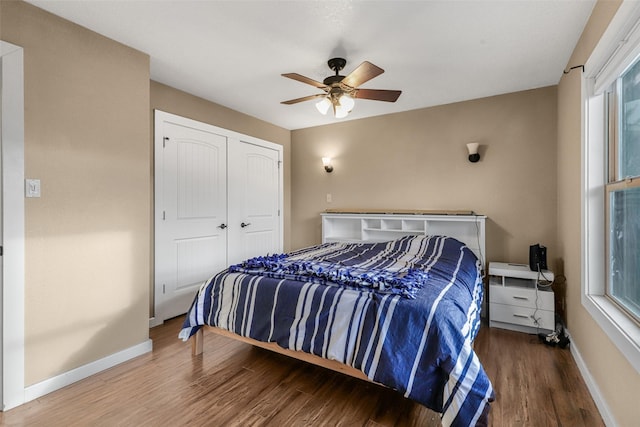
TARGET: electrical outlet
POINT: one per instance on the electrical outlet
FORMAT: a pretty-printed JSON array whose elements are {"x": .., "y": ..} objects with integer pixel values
[{"x": 329, "y": 198}]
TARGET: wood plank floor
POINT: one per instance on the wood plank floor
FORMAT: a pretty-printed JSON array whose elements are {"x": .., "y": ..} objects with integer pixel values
[{"x": 235, "y": 384}]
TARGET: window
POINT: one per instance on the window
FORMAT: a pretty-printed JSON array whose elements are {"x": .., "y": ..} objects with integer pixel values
[
  {"x": 622, "y": 207},
  {"x": 611, "y": 183}
]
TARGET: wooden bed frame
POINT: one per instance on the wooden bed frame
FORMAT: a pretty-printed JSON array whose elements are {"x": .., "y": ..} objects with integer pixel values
[{"x": 197, "y": 342}]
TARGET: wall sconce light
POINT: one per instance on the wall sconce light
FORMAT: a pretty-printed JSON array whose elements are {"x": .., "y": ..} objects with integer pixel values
[
  {"x": 473, "y": 152},
  {"x": 326, "y": 162}
]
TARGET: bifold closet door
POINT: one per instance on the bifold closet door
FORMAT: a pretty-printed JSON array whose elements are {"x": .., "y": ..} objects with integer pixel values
[
  {"x": 254, "y": 201},
  {"x": 191, "y": 214}
]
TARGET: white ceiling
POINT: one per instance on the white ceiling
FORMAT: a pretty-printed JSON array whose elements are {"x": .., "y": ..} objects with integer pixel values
[{"x": 436, "y": 52}]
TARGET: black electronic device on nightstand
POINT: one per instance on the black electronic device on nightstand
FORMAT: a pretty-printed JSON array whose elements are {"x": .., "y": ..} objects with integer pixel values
[{"x": 537, "y": 257}]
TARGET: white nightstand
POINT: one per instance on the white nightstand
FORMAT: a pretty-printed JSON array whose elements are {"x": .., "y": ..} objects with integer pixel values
[{"x": 517, "y": 299}]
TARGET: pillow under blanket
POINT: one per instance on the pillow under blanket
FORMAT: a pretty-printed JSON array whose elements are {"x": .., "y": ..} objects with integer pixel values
[{"x": 406, "y": 282}]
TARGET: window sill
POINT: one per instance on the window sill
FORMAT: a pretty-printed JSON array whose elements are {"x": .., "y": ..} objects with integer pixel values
[{"x": 623, "y": 331}]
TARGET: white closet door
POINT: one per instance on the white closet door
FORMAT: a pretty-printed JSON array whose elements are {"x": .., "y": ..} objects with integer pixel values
[
  {"x": 191, "y": 214},
  {"x": 254, "y": 201}
]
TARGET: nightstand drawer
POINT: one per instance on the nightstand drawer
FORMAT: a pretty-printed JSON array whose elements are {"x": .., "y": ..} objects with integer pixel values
[
  {"x": 521, "y": 316},
  {"x": 521, "y": 297}
]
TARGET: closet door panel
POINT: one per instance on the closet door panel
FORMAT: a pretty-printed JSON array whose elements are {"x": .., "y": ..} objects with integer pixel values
[
  {"x": 254, "y": 200},
  {"x": 190, "y": 244}
]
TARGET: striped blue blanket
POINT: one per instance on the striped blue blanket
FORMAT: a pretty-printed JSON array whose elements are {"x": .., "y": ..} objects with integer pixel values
[{"x": 403, "y": 312}]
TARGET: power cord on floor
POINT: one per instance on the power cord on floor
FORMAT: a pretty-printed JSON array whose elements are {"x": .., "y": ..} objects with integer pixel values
[{"x": 558, "y": 336}]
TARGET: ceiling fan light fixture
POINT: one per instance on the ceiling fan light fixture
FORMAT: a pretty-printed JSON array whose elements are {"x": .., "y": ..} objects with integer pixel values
[
  {"x": 346, "y": 101},
  {"x": 323, "y": 105},
  {"x": 340, "y": 112},
  {"x": 343, "y": 103}
]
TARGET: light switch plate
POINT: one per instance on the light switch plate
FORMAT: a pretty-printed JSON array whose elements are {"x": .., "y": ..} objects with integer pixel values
[{"x": 32, "y": 187}]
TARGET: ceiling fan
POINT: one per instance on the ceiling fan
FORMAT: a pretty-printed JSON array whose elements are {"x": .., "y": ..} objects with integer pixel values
[{"x": 340, "y": 91}]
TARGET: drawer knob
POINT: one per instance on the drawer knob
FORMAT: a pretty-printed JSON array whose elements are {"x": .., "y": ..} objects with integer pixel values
[
  {"x": 523, "y": 298},
  {"x": 521, "y": 316}
]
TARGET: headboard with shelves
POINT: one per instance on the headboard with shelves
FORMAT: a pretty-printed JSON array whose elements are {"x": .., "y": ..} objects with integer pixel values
[{"x": 366, "y": 226}]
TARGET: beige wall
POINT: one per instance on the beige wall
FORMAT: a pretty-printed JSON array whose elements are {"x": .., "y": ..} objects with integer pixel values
[
  {"x": 87, "y": 137},
  {"x": 87, "y": 237},
  {"x": 418, "y": 160},
  {"x": 617, "y": 380}
]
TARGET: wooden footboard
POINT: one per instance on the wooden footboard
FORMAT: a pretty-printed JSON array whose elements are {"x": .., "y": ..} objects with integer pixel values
[{"x": 197, "y": 348}]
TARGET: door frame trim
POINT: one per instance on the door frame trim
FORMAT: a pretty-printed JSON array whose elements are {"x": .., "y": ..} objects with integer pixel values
[{"x": 13, "y": 220}]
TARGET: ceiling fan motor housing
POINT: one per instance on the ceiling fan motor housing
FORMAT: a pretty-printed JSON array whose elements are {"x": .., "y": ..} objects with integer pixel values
[{"x": 332, "y": 80}]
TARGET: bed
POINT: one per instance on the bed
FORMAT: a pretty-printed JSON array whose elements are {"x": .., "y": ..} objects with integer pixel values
[{"x": 402, "y": 313}]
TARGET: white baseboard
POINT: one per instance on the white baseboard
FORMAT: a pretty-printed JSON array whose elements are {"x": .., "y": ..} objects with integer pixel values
[
  {"x": 601, "y": 404},
  {"x": 52, "y": 384}
]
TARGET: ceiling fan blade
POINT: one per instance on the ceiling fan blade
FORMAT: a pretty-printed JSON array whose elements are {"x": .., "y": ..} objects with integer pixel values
[
  {"x": 303, "y": 79},
  {"x": 304, "y": 98},
  {"x": 365, "y": 72},
  {"x": 378, "y": 95}
]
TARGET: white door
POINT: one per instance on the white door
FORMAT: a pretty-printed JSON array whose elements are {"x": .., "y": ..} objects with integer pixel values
[
  {"x": 254, "y": 201},
  {"x": 191, "y": 213}
]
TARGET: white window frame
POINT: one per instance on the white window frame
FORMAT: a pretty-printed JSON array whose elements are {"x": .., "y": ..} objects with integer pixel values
[{"x": 618, "y": 48}]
